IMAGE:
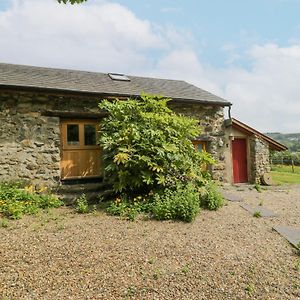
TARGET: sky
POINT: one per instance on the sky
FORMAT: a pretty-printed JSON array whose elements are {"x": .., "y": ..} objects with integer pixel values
[{"x": 247, "y": 52}]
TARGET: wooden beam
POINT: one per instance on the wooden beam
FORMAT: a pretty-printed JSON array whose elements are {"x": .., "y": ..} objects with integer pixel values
[{"x": 77, "y": 115}]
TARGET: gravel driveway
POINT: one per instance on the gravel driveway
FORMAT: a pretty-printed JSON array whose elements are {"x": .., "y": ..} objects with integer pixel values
[{"x": 228, "y": 254}]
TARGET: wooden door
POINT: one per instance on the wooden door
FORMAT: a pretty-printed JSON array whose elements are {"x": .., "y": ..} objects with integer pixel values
[
  {"x": 80, "y": 154},
  {"x": 239, "y": 158}
]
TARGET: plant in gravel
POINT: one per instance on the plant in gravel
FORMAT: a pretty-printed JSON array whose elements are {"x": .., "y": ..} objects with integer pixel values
[
  {"x": 81, "y": 205},
  {"x": 4, "y": 223},
  {"x": 257, "y": 186},
  {"x": 15, "y": 200},
  {"x": 298, "y": 247},
  {"x": 297, "y": 265},
  {"x": 181, "y": 203},
  {"x": 249, "y": 289},
  {"x": 127, "y": 209},
  {"x": 211, "y": 198},
  {"x": 185, "y": 269},
  {"x": 156, "y": 274},
  {"x": 257, "y": 214},
  {"x": 261, "y": 203}
]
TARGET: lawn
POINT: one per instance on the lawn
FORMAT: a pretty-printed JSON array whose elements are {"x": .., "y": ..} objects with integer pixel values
[{"x": 282, "y": 174}]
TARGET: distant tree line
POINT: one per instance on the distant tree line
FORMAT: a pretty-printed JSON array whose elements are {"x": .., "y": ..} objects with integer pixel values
[{"x": 285, "y": 158}]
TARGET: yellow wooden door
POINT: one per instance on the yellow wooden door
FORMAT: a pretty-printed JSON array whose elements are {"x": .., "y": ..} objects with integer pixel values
[{"x": 80, "y": 154}]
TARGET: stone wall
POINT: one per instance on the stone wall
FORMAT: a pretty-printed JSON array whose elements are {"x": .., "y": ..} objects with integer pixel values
[
  {"x": 30, "y": 140},
  {"x": 211, "y": 121},
  {"x": 259, "y": 158}
]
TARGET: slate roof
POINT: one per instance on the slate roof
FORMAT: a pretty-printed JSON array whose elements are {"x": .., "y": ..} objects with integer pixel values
[{"x": 72, "y": 81}]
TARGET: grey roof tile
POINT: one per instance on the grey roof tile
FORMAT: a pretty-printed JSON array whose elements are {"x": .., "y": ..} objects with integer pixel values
[{"x": 100, "y": 83}]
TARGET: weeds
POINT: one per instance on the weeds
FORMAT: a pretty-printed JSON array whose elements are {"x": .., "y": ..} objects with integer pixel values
[
  {"x": 4, "y": 223},
  {"x": 82, "y": 206},
  {"x": 16, "y": 201},
  {"x": 257, "y": 214},
  {"x": 257, "y": 186},
  {"x": 185, "y": 269},
  {"x": 249, "y": 289}
]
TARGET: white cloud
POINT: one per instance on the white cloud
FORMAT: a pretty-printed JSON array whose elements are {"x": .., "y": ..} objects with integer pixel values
[
  {"x": 106, "y": 37},
  {"x": 98, "y": 36},
  {"x": 268, "y": 95}
]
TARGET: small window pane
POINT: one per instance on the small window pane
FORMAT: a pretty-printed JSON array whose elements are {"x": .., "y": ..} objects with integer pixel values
[
  {"x": 200, "y": 147},
  {"x": 89, "y": 134},
  {"x": 73, "y": 134}
]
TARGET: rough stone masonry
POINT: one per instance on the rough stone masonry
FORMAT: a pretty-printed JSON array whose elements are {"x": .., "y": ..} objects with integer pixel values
[{"x": 30, "y": 139}]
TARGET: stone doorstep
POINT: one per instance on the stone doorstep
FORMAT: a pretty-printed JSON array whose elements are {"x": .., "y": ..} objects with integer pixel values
[
  {"x": 266, "y": 213},
  {"x": 292, "y": 234}
]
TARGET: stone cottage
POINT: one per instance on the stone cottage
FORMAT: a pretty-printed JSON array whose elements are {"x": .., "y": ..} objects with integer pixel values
[{"x": 49, "y": 122}]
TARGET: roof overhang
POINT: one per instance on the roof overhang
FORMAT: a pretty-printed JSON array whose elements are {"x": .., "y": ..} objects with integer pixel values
[
  {"x": 59, "y": 91},
  {"x": 274, "y": 145}
]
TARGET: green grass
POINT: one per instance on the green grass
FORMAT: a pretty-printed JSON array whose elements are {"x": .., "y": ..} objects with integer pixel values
[
  {"x": 282, "y": 174},
  {"x": 285, "y": 169}
]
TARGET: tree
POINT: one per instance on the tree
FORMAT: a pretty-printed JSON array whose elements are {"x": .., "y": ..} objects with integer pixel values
[{"x": 71, "y": 1}]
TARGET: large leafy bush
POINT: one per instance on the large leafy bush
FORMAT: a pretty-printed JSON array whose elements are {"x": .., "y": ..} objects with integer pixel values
[{"x": 148, "y": 151}]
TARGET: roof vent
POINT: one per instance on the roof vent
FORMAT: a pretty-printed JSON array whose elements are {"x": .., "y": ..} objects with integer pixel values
[{"x": 118, "y": 77}]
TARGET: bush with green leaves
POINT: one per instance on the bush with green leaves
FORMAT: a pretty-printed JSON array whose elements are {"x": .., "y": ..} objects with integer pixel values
[
  {"x": 210, "y": 197},
  {"x": 15, "y": 200},
  {"x": 148, "y": 153},
  {"x": 148, "y": 147},
  {"x": 181, "y": 203}
]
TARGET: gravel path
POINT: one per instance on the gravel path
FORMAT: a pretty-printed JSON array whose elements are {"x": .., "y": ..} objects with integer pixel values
[{"x": 227, "y": 254}]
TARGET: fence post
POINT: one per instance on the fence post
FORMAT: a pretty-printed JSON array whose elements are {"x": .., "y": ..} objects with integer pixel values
[{"x": 293, "y": 169}]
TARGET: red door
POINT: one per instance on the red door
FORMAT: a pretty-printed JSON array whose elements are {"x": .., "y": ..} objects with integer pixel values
[{"x": 239, "y": 158}]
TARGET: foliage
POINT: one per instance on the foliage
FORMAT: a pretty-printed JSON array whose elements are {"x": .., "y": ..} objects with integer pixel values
[
  {"x": 151, "y": 163},
  {"x": 257, "y": 214},
  {"x": 16, "y": 201},
  {"x": 291, "y": 140},
  {"x": 71, "y": 1},
  {"x": 4, "y": 223},
  {"x": 285, "y": 158},
  {"x": 211, "y": 198},
  {"x": 257, "y": 186},
  {"x": 82, "y": 206},
  {"x": 148, "y": 147},
  {"x": 126, "y": 209},
  {"x": 181, "y": 203}
]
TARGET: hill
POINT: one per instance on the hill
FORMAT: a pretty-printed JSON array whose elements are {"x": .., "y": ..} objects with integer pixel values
[{"x": 291, "y": 140}]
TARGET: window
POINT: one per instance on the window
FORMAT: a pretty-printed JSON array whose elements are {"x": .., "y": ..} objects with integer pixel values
[
  {"x": 118, "y": 77},
  {"x": 73, "y": 134},
  {"x": 89, "y": 134},
  {"x": 200, "y": 145}
]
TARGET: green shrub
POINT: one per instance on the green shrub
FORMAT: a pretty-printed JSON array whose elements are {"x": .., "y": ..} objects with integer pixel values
[
  {"x": 211, "y": 198},
  {"x": 16, "y": 201},
  {"x": 148, "y": 147},
  {"x": 82, "y": 206},
  {"x": 127, "y": 209},
  {"x": 180, "y": 204}
]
